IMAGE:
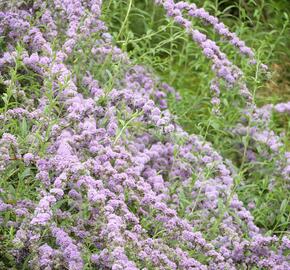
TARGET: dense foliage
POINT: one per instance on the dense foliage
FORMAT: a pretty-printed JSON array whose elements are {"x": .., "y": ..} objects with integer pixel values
[{"x": 97, "y": 172}]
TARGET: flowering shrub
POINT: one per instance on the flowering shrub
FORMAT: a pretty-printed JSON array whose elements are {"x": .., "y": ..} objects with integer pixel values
[{"x": 118, "y": 183}]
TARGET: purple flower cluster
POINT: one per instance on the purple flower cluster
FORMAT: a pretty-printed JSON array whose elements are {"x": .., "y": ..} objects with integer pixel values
[
  {"x": 283, "y": 107},
  {"x": 121, "y": 185},
  {"x": 9, "y": 150},
  {"x": 223, "y": 68},
  {"x": 264, "y": 144}
]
